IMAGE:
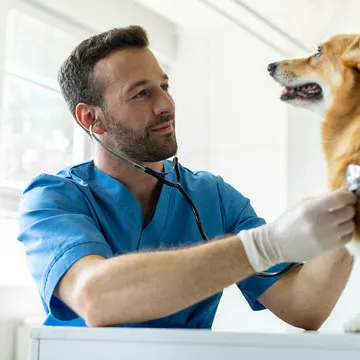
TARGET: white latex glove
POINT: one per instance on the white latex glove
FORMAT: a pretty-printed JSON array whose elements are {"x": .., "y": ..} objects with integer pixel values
[{"x": 309, "y": 229}]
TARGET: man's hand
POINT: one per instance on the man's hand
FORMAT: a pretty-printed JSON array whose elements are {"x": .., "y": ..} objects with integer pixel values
[{"x": 310, "y": 229}]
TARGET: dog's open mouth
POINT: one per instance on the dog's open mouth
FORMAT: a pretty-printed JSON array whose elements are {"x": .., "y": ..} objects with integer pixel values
[{"x": 311, "y": 91}]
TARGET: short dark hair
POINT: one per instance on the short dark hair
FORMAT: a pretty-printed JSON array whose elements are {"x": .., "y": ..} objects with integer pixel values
[{"x": 76, "y": 78}]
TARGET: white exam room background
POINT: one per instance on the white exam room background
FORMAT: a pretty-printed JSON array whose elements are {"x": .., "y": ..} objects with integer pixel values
[{"x": 230, "y": 120}]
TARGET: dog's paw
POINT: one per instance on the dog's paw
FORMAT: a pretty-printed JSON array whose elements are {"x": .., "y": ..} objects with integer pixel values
[{"x": 353, "y": 325}]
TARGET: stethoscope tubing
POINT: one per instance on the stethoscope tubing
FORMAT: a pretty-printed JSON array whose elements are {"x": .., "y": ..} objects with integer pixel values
[{"x": 161, "y": 177}]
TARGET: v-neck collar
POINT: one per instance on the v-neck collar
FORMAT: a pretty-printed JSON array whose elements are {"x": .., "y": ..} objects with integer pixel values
[
  {"x": 156, "y": 226},
  {"x": 150, "y": 235}
]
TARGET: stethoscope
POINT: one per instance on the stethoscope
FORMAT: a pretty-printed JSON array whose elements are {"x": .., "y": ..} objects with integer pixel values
[{"x": 161, "y": 177}]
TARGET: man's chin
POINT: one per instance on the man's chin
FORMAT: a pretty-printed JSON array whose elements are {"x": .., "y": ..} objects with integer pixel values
[
  {"x": 162, "y": 156},
  {"x": 157, "y": 156},
  {"x": 166, "y": 151}
]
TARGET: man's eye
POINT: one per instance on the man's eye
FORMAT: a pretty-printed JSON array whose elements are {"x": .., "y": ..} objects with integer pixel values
[
  {"x": 318, "y": 52},
  {"x": 165, "y": 87},
  {"x": 140, "y": 94}
]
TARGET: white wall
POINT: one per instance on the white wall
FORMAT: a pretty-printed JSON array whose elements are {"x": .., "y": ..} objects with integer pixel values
[
  {"x": 4, "y": 6},
  {"x": 105, "y": 14},
  {"x": 306, "y": 175},
  {"x": 16, "y": 304},
  {"x": 190, "y": 82},
  {"x": 229, "y": 118}
]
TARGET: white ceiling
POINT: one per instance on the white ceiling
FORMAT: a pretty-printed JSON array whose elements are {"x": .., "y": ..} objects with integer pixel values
[
  {"x": 185, "y": 13},
  {"x": 307, "y": 21}
]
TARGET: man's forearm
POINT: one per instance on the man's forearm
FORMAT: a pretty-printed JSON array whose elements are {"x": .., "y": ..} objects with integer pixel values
[
  {"x": 144, "y": 286},
  {"x": 323, "y": 279},
  {"x": 305, "y": 296}
]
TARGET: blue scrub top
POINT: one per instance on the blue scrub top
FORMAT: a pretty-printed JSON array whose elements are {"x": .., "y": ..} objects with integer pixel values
[{"x": 83, "y": 211}]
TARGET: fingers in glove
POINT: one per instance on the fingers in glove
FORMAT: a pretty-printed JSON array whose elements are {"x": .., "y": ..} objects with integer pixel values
[
  {"x": 342, "y": 215},
  {"x": 339, "y": 199},
  {"x": 346, "y": 229}
]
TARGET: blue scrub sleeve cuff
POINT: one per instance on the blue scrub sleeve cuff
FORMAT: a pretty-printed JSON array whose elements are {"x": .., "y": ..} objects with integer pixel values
[
  {"x": 57, "y": 270},
  {"x": 254, "y": 286}
]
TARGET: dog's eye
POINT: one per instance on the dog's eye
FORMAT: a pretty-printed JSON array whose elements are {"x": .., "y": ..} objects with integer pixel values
[{"x": 318, "y": 52}]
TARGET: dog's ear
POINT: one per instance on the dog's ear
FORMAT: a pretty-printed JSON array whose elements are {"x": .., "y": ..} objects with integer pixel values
[{"x": 351, "y": 56}]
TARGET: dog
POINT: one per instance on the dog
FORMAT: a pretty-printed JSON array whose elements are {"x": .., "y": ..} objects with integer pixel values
[{"x": 328, "y": 82}]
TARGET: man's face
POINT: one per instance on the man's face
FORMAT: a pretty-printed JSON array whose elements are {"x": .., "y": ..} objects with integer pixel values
[{"x": 138, "y": 111}]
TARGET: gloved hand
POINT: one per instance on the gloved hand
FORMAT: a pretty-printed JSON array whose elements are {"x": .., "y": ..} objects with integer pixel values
[{"x": 311, "y": 228}]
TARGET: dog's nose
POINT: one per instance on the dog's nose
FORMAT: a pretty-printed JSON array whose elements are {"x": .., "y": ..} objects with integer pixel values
[{"x": 272, "y": 68}]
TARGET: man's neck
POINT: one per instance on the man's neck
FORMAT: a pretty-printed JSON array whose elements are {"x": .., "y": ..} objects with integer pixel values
[{"x": 144, "y": 187}]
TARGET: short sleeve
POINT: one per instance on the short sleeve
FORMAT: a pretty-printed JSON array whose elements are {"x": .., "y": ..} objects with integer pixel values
[
  {"x": 56, "y": 230},
  {"x": 238, "y": 214}
]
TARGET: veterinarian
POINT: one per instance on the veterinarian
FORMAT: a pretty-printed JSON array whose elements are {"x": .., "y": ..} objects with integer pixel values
[{"x": 108, "y": 243}]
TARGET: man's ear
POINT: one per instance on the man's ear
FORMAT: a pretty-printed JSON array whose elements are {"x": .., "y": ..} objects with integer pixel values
[
  {"x": 351, "y": 56},
  {"x": 85, "y": 116}
]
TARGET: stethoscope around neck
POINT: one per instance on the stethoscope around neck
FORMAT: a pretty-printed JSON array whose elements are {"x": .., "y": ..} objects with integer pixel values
[{"x": 160, "y": 175}]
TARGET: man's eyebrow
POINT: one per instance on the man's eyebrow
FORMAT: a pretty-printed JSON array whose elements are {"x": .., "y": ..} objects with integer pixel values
[{"x": 143, "y": 82}]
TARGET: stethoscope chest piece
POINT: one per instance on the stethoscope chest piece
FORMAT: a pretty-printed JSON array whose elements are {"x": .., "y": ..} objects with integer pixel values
[{"x": 353, "y": 178}]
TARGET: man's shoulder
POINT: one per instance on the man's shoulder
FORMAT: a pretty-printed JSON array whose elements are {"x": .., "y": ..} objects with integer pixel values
[
  {"x": 65, "y": 179},
  {"x": 203, "y": 175},
  {"x": 207, "y": 181}
]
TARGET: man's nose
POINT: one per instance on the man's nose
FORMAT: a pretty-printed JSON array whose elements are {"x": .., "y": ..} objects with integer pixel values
[
  {"x": 272, "y": 68},
  {"x": 164, "y": 103}
]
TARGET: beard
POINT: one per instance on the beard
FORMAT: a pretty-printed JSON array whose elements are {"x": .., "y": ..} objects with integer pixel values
[{"x": 140, "y": 146}]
